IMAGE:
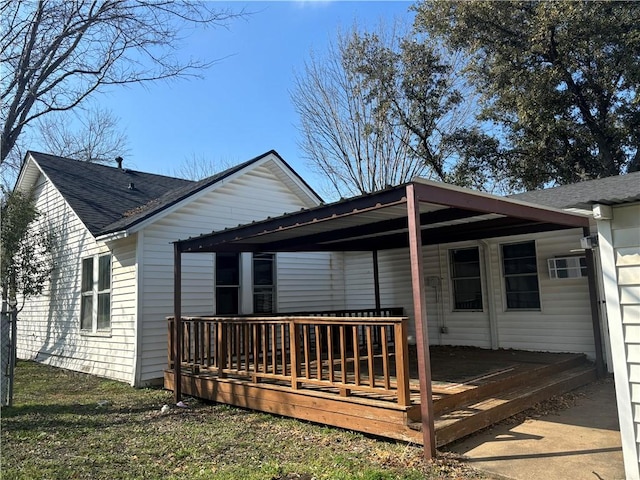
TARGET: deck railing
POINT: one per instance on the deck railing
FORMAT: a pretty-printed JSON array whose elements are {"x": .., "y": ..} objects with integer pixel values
[{"x": 344, "y": 354}]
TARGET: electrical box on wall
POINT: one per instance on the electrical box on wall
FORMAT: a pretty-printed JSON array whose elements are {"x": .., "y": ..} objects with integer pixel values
[
  {"x": 567, "y": 267},
  {"x": 589, "y": 242}
]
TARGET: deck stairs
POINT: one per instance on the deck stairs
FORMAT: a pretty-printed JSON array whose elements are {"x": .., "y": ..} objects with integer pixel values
[{"x": 464, "y": 408}]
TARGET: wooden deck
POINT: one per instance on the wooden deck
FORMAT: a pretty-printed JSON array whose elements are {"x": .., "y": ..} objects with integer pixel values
[{"x": 360, "y": 374}]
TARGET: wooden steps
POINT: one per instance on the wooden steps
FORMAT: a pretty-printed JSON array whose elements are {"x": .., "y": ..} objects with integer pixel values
[
  {"x": 449, "y": 398},
  {"x": 471, "y": 410}
]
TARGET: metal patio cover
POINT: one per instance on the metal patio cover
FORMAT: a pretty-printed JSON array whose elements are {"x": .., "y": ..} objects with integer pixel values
[
  {"x": 378, "y": 221},
  {"x": 418, "y": 213}
]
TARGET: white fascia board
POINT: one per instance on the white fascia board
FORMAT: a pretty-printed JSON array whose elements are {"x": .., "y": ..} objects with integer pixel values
[
  {"x": 29, "y": 166},
  {"x": 33, "y": 161},
  {"x": 111, "y": 237},
  {"x": 313, "y": 197}
]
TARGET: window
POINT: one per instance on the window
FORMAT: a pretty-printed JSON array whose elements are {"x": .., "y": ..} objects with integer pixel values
[
  {"x": 520, "y": 270},
  {"x": 263, "y": 282},
  {"x": 227, "y": 283},
  {"x": 95, "y": 308},
  {"x": 465, "y": 277}
]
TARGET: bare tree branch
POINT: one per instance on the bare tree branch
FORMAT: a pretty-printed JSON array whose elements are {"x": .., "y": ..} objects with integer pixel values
[
  {"x": 197, "y": 167},
  {"x": 373, "y": 111},
  {"x": 57, "y": 54},
  {"x": 95, "y": 138}
]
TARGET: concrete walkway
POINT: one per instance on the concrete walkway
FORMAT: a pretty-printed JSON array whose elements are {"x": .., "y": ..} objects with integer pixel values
[{"x": 579, "y": 443}]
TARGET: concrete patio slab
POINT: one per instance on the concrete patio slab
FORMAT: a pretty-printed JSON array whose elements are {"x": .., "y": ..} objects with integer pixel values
[{"x": 579, "y": 443}]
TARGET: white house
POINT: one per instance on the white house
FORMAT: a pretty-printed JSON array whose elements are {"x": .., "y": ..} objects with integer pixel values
[
  {"x": 104, "y": 311},
  {"x": 522, "y": 291},
  {"x": 504, "y": 278}
]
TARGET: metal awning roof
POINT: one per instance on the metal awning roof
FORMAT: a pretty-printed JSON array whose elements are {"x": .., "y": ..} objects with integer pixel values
[{"x": 378, "y": 221}]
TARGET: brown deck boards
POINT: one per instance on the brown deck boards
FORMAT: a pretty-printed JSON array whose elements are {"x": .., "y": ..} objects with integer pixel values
[{"x": 472, "y": 388}]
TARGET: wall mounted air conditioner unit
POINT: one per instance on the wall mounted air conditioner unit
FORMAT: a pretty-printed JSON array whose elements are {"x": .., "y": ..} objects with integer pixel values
[{"x": 567, "y": 267}]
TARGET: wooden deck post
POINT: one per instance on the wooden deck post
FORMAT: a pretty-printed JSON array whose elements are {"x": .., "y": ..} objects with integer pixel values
[
  {"x": 221, "y": 349},
  {"x": 177, "y": 323},
  {"x": 402, "y": 363},
  {"x": 294, "y": 341},
  {"x": 595, "y": 310},
  {"x": 420, "y": 319}
]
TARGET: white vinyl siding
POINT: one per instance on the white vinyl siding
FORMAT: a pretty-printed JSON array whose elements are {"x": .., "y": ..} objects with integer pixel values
[
  {"x": 309, "y": 282},
  {"x": 563, "y": 324},
  {"x": 49, "y": 327},
  {"x": 253, "y": 195}
]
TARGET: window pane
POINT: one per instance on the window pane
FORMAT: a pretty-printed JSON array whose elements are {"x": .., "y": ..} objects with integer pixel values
[
  {"x": 227, "y": 300},
  {"x": 530, "y": 300},
  {"x": 520, "y": 268},
  {"x": 520, "y": 265},
  {"x": 104, "y": 273},
  {"x": 518, "y": 250},
  {"x": 467, "y": 294},
  {"x": 87, "y": 274},
  {"x": 104, "y": 310},
  {"x": 263, "y": 269},
  {"x": 86, "y": 312},
  {"x": 227, "y": 269},
  {"x": 263, "y": 300},
  {"x": 583, "y": 266},
  {"x": 465, "y": 262},
  {"x": 525, "y": 283},
  {"x": 465, "y": 273}
]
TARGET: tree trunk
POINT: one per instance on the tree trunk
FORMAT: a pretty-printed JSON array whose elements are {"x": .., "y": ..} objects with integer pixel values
[{"x": 5, "y": 341}]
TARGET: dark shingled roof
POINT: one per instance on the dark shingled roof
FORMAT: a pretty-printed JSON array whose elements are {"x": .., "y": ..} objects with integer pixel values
[
  {"x": 101, "y": 197},
  {"x": 606, "y": 191}
]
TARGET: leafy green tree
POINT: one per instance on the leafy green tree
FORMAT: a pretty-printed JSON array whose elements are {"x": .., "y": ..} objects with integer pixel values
[
  {"x": 25, "y": 267},
  {"x": 559, "y": 84}
]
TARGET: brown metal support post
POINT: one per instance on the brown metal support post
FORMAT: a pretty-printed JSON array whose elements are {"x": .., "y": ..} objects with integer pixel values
[
  {"x": 177, "y": 323},
  {"x": 420, "y": 319},
  {"x": 595, "y": 310},
  {"x": 376, "y": 279}
]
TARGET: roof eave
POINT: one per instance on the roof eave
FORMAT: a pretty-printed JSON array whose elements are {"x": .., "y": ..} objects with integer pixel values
[{"x": 113, "y": 236}]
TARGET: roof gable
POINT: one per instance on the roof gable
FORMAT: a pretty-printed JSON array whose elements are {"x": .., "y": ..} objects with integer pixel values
[
  {"x": 188, "y": 192},
  {"x": 99, "y": 194},
  {"x": 582, "y": 195},
  {"x": 110, "y": 199}
]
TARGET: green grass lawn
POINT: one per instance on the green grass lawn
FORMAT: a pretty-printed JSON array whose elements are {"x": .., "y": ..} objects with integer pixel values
[{"x": 66, "y": 425}]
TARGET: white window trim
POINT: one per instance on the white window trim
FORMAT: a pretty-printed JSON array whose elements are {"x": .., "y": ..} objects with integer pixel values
[{"x": 94, "y": 331}]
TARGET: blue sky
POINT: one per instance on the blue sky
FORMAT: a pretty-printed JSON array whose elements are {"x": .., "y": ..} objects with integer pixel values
[{"x": 242, "y": 107}]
